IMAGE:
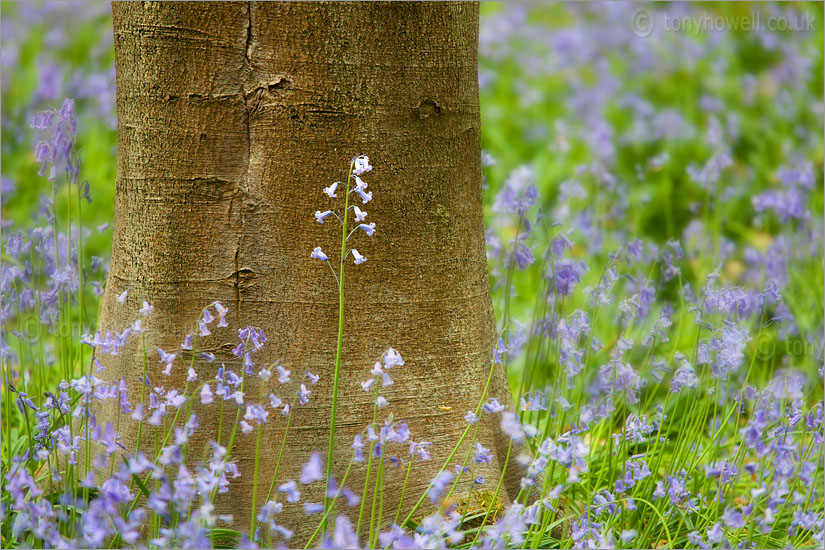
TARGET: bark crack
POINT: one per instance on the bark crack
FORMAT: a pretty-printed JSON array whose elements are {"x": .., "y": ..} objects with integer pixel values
[
  {"x": 248, "y": 46},
  {"x": 244, "y": 183}
]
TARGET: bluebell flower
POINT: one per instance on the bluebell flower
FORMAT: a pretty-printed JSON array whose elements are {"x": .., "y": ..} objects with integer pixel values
[
  {"x": 627, "y": 535},
  {"x": 359, "y": 214},
  {"x": 187, "y": 342},
  {"x": 470, "y": 417},
  {"x": 368, "y": 228},
  {"x": 392, "y": 358},
  {"x": 330, "y": 191},
  {"x": 358, "y": 447},
  {"x": 321, "y": 216},
  {"x": 733, "y": 518},
  {"x": 146, "y": 309},
  {"x": 222, "y": 311},
  {"x": 359, "y": 259},
  {"x": 511, "y": 426},
  {"x": 533, "y": 401},
  {"x": 313, "y": 378},
  {"x": 360, "y": 165},
  {"x": 365, "y": 197},
  {"x": 290, "y": 488},
  {"x": 319, "y": 254},
  {"x": 684, "y": 377},
  {"x": 206, "y": 394},
  {"x": 312, "y": 470},
  {"x": 439, "y": 484},
  {"x": 166, "y": 358},
  {"x": 283, "y": 374},
  {"x": 482, "y": 455},
  {"x": 715, "y": 534},
  {"x": 311, "y": 508},
  {"x": 303, "y": 394},
  {"x": 492, "y": 406}
]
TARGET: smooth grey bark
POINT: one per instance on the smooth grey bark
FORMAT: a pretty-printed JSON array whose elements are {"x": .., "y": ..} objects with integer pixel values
[{"x": 232, "y": 117}]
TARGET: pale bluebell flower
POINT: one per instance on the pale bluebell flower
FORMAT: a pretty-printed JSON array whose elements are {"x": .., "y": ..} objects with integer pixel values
[
  {"x": 311, "y": 508},
  {"x": 313, "y": 470},
  {"x": 256, "y": 413},
  {"x": 360, "y": 165},
  {"x": 222, "y": 311},
  {"x": 207, "y": 316},
  {"x": 275, "y": 401},
  {"x": 330, "y": 191},
  {"x": 303, "y": 394},
  {"x": 146, "y": 309},
  {"x": 121, "y": 298},
  {"x": 166, "y": 358},
  {"x": 359, "y": 214},
  {"x": 492, "y": 406},
  {"x": 313, "y": 378},
  {"x": 482, "y": 454},
  {"x": 283, "y": 374},
  {"x": 358, "y": 447},
  {"x": 206, "y": 394},
  {"x": 439, "y": 484},
  {"x": 365, "y": 197},
  {"x": 187, "y": 342},
  {"x": 393, "y": 359},
  {"x": 511, "y": 426},
  {"x": 321, "y": 216},
  {"x": 368, "y": 384},
  {"x": 381, "y": 402},
  {"x": 291, "y": 490},
  {"x": 204, "y": 330},
  {"x": 359, "y": 259},
  {"x": 319, "y": 254},
  {"x": 369, "y": 228}
]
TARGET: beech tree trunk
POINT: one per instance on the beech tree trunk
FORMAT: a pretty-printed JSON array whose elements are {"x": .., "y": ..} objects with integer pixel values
[{"x": 232, "y": 117}]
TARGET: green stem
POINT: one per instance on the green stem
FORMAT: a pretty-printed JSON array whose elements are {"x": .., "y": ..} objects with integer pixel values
[{"x": 335, "y": 381}]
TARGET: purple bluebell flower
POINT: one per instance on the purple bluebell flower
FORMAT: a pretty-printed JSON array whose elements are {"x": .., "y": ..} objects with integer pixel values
[
  {"x": 439, "y": 483},
  {"x": 312, "y": 470},
  {"x": 358, "y": 447},
  {"x": 303, "y": 394},
  {"x": 321, "y": 216},
  {"x": 482, "y": 455},
  {"x": 492, "y": 406},
  {"x": 290, "y": 488},
  {"x": 319, "y": 254}
]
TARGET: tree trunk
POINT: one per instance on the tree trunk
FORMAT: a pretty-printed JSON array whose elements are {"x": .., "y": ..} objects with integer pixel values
[{"x": 232, "y": 117}]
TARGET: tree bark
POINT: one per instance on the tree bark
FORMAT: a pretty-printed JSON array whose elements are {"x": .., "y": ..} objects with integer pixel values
[{"x": 232, "y": 117}]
